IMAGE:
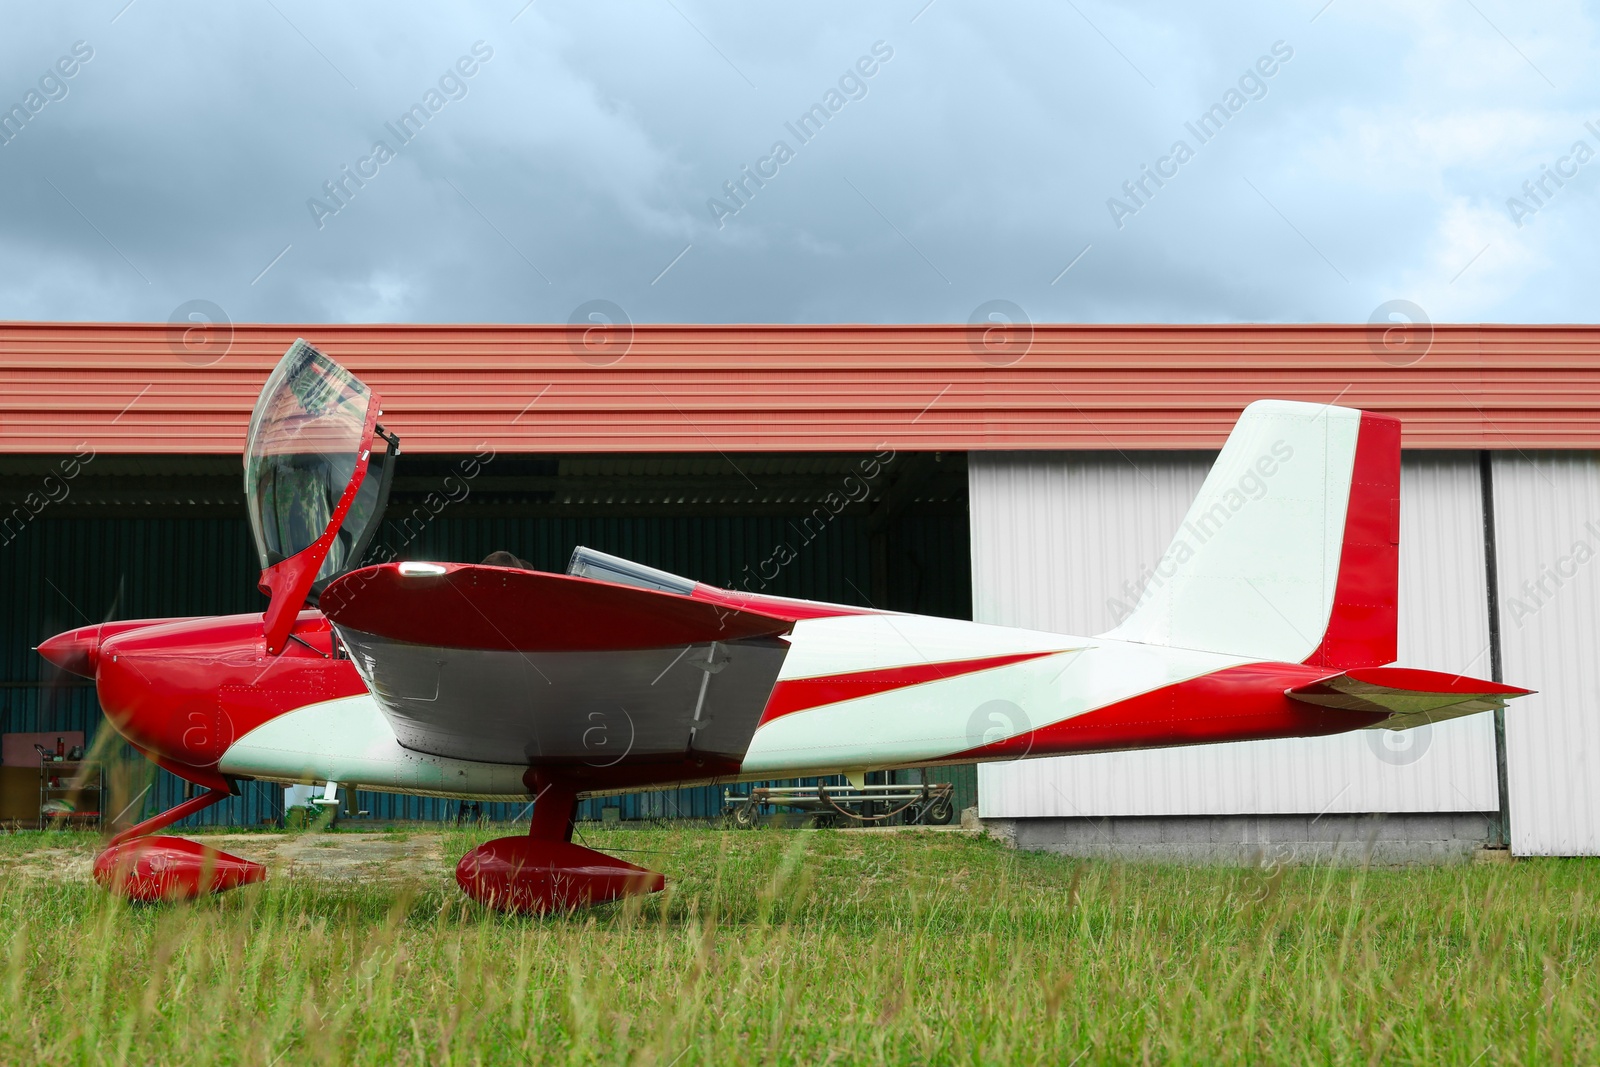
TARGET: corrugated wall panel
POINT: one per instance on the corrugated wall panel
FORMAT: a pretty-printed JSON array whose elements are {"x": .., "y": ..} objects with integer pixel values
[
  {"x": 1065, "y": 541},
  {"x": 1547, "y": 531}
]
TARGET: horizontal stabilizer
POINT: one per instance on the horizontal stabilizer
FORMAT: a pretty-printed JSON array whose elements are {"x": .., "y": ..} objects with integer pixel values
[
  {"x": 458, "y": 605},
  {"x": 1406, "y": 697}
]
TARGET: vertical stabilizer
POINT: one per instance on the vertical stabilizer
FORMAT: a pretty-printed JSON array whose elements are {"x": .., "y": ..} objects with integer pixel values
[{"x": 1291, "y": 550}]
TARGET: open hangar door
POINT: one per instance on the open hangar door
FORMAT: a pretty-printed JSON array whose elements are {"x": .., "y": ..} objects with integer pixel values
[{"x": 153, "y": 536}]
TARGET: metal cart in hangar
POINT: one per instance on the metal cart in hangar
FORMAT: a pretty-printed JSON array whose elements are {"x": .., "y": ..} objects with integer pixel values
[
  {"x": 846, "y": 803},
  {"x": 71, "y": 793}
]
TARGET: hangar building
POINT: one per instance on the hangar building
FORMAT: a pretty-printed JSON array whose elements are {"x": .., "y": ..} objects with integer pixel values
[{"x": 1022, "y": 475}]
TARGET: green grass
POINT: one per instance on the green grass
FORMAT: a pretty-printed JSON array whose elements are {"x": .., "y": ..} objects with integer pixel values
[{"x": 806, "y": 947}]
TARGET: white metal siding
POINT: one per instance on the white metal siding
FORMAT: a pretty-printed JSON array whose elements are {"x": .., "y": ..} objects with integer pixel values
[
  {"x": 1547, "y": 532},
  {"x": 1063, "y": 541}
]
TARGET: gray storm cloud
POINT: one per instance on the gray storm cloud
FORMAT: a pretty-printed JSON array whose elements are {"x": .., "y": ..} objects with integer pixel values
[{"x": 157, "y": 154}]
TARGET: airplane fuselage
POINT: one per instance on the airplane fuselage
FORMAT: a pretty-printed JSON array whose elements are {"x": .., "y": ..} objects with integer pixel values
[{"x": 856, "y": 691}]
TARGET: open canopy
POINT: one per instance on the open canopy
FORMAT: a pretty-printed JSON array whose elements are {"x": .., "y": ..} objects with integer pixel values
[{"x": 314, "y": 487}]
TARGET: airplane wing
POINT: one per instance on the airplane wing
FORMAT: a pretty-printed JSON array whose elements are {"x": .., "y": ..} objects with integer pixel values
[
  {"x": 514, "y": 666},
  {"x": 1404, "y": 696}
]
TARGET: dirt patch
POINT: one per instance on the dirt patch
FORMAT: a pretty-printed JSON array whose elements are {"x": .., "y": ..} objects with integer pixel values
[
  {"x": 348, "y": 857},
  {"x": 53, "y": 864},
  {"x": 343, "y": 857}
]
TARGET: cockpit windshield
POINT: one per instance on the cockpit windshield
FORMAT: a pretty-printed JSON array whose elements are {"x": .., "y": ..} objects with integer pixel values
[{"x": 308, "y": 434}]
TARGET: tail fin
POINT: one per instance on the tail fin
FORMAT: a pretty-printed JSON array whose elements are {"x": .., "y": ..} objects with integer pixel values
[{"x": 1291, "y": 551}]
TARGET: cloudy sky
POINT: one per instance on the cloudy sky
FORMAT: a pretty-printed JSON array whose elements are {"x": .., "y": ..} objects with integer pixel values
[{"x": 958, "y": 153}]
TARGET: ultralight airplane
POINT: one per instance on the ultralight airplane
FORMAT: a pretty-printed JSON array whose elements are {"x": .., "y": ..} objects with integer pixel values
[{"x": 1272, "y": 614}]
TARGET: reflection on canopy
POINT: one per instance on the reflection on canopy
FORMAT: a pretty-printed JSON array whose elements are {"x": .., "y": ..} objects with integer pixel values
[{"x": 307, "y": 435}]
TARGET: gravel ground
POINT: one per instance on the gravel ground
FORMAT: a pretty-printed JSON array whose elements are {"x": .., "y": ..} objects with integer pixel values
[{"x": 367, "y": 857}]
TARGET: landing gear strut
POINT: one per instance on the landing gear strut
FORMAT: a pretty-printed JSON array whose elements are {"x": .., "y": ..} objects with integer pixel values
[
  {"x": 543, "y": 871},
  {"x": 147, "y": 869}
]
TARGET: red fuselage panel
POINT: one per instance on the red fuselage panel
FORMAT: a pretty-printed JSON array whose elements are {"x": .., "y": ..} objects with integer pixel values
[
  {"x": 1242, "y": 703},
  {"x": 184, "y": 691}
]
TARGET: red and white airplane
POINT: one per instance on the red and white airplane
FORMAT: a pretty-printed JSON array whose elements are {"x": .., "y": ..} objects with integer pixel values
[{"x": 1273, "y": 614}]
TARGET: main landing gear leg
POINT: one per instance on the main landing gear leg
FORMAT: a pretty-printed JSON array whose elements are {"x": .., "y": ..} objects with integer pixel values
[
  {"x": 543, "y": 871},
  {"x": 147, "y": 869}
]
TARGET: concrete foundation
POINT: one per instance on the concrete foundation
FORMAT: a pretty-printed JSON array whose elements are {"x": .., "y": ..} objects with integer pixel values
[{"x": 1384, "y": 840}]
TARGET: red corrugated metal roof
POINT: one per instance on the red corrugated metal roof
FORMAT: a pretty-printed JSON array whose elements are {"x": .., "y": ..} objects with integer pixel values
[{"x": 134, "y": 388}]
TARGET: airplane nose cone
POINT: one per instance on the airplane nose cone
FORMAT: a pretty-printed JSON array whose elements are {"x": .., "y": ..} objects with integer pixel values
[
  {"x": 79, "y": 650},
  {"x": 76, "y": 651}
]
